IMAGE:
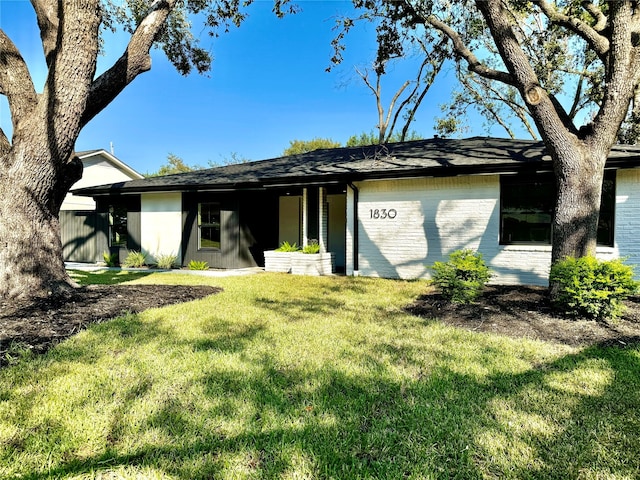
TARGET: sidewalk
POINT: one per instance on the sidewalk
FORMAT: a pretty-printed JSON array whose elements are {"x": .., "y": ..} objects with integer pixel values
[{"x": 94, "y": 267}]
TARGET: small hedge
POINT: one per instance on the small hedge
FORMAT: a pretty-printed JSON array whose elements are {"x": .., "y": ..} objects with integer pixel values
[
  {"x": 463, "y": 277},
  {"x": 590, "y": 287}
]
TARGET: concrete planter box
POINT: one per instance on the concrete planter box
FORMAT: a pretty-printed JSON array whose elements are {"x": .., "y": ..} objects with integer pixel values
[
  {"x": 277, "y": 261},
  {"x": 312, "y": 263}
]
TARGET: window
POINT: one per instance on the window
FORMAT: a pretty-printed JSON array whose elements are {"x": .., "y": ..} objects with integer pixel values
[
  {"x": 526, "y": 209},
  {"x": 209, "y": 225},
  {"x": 118, "y": 233}
]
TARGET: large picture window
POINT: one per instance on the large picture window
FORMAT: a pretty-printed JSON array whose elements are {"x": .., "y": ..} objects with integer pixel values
[
  {"x": 209, "y": 225},
  {"x": 526, "y": 209},
  {"x": 118, "y": 233}
]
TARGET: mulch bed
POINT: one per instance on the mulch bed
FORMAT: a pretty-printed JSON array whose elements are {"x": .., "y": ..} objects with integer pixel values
[
  {"x": 40, "y": 325},
  {"x": 526, "y": 312}
]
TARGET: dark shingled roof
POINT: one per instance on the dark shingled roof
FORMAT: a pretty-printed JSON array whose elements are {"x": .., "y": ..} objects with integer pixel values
[{"x": 433, "y": 157}]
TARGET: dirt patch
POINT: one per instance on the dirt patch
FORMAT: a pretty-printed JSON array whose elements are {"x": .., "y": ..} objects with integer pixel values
[
  {"x": 525, "y": 312},
  {"x": 40, "y": 325}
]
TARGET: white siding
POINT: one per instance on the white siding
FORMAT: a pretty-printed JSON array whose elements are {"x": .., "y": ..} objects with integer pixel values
[
  {"x": 97, "y": 171},
  {"x": 161, "y": 224}
]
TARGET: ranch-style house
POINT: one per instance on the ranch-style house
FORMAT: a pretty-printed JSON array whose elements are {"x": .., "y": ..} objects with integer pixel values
[{"x": 383, "y": 211}]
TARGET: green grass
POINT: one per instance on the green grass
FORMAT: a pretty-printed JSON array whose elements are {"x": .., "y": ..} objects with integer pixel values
[
  {"x": 283, "y": 376},
  {"x": 106, "y": 277}
]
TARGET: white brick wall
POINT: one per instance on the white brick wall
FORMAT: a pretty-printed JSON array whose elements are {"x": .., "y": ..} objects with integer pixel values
[
  {"x": 435, "y": 216},
  {"x": 627, "y": 222}
]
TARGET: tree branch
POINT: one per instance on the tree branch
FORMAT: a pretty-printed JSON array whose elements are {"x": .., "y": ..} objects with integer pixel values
[
  {"x": 408, "y": 98},
  {"x": 597, "y": 42},
  {"x": 15, "y": 81},
  {"x": 134, "y": 61},
  {"x": 548, "y": 114},
  {"x": 597, "y": 14},
  {"x": 461, "y": 49},
  {"x": 392, "y": 106},
  {"x": 5, "y": 146},
  {"x": 48, "y": 22},
  {"x": 621, "y": 73}
]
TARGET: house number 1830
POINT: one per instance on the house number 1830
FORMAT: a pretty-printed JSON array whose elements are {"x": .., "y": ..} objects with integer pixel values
[{"x": 382, "y": 213}]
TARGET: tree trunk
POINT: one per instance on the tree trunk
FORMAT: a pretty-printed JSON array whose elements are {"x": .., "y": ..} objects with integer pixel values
[
  {"x": 31, "y": 259},
  {"x": 37, "y": 167},
  {"x": 579, "y": 178},
  {"x": 579, "y": 172}
]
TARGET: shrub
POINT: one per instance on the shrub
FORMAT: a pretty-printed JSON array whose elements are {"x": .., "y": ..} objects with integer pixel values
[
  {"x": 135, "y": 259},
  {"x": 312, "y": 247},
  {"x": 592, "y": 288},
  {"x": 288, "y": 247},
  {"x": 198, "y": 265},
  {"x": 166, "y": 261},
  {"x": 110, "y": 259},
  {"x": 463, "y": 277}
]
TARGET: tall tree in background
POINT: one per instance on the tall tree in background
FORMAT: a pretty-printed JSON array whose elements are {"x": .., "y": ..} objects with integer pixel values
[
  {"x": 174, "y": 165},
  {"x": 372, "y": 138},
  {"x": 297, "y": 147},
  {"x": 394, "y": 121},
  {"x": 404, "y": 103},
  {"x": 38, "y": 164},
  {"x": 608, "y": 32}
]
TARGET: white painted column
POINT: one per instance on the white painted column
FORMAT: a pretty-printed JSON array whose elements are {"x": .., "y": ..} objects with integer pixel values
[
  {"x": 323, "y": 215},
  {"x": 305, "y": 219},
  {"x": 352, "y": 224}
]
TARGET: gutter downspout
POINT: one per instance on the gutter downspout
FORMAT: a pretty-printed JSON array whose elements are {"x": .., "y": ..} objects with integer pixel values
[{"x": 356, "y": 240}]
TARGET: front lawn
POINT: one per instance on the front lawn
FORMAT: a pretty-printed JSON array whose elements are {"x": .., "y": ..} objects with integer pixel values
[{"x": 281, "y": 376}]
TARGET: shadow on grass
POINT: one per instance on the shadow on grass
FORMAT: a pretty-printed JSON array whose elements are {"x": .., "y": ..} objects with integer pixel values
[
  {"x": 265, "y": 419},
  {"x": 106, "y": 277}
]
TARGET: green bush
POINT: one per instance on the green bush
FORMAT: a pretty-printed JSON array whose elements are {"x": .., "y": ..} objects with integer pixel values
[
  {"x": 198, "y": 265},
  {"x": 166, "y": 261},
  {"x": 592, "y": 288},
  {"x": 463, "y": 277},
  {"x": 110, "y": 259},
  {"x": 288, "y": 247},
  {"x": 135, "y": 259},
  {"x": 312, "y": 247}
]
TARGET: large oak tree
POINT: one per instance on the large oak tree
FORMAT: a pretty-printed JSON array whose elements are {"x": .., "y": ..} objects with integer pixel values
[
  {"x": 607, "y": 31},
  {"x": 38, "y": 164}
]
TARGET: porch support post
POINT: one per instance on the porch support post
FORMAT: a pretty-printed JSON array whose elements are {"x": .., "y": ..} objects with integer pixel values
[
  {"x": 352, "y": 250},
  {"x": 323, "y": 216},
  {"x": 305, "y": 217}
]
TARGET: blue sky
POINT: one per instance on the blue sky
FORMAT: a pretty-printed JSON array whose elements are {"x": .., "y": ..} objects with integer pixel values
[{"x": 268, "y": 86}]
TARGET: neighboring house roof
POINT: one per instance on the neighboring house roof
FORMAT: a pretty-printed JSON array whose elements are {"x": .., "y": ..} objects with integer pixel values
[
  {"x": 433, "y": 157},
  {"x": 100, "y": 166},
  {"x": 112, "y": 159}
]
